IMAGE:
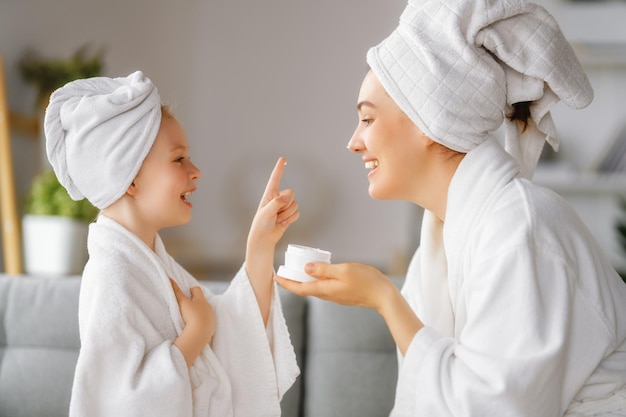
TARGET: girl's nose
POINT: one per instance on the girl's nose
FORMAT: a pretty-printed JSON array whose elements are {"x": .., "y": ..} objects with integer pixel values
[{"x": 195, "y": 172}]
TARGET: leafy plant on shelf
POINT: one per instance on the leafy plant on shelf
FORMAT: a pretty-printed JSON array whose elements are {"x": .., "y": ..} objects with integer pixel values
[
  {"x": 47, "y": 197},
  {"x": 49, "y": 74},
  {"x": 620, "y": 226}
]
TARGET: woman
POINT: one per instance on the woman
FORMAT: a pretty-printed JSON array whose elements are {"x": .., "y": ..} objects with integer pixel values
[{"x": 509, "y": 307}]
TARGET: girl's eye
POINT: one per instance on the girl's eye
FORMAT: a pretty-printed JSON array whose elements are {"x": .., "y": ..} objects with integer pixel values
[
  {"x": 179, "y": 159},
  {"x": 367, "y": 122}
]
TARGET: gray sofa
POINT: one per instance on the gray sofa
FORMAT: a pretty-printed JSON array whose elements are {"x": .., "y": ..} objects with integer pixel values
[{"x": 346, "y": 355}]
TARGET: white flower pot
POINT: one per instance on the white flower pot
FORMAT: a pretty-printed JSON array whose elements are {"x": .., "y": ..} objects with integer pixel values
[{"x": 54, "y": 245}]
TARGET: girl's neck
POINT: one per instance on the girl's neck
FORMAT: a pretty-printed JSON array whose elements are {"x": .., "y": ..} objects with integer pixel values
[{"x": 124, "y": 215}]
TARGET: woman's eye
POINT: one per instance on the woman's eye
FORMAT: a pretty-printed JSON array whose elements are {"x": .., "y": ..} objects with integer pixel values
[
  {"x": 367, "y": 122},
  {"x": 179, "y": 159}
]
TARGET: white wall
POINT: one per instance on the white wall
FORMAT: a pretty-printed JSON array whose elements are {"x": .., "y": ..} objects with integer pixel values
[
  {"x": 253, "y": 80},
  {"x": 250, "y": 81}
]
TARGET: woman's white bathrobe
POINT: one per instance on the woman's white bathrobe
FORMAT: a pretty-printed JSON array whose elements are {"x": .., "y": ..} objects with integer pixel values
[
  {"x": 539, "y": 314},
  {"x": 129, "y": 318}
]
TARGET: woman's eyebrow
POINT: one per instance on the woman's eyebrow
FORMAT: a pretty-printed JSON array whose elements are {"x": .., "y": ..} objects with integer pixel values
[{"x": 365, "y": 103}]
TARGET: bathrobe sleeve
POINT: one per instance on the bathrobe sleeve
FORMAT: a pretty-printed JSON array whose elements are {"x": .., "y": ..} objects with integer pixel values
[
  {"x": 261, "y": 368},
  {"x": 127, "y": 365},
  {"x": 516, "y": 351}
]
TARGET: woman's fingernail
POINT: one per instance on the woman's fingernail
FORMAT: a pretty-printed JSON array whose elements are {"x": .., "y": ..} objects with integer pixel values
[{"x": 309, "y": 268}]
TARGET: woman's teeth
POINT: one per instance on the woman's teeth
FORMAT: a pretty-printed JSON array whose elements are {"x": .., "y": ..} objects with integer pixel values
[
  {"x": 185, "y": 196},
  {"x": 371, "y": 164}
]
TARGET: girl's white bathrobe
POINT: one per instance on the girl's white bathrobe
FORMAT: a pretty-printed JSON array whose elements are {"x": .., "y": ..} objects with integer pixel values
[
  {"x": 129, "y": 318},
  {"x": 539, "y": 314}
]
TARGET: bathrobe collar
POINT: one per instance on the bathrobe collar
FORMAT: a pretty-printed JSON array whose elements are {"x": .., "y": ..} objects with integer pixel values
[{"x": 481, "y": 174}]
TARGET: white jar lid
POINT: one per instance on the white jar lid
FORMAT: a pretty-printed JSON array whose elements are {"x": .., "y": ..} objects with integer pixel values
[{"x": 296, "y": 257}]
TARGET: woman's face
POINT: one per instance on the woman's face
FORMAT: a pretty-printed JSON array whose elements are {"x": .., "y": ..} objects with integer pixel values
[{"x": 393, "y": 149}]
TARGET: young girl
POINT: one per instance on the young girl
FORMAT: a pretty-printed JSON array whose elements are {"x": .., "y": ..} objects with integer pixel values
[
  {"x": 153, "y": 343},
  {"x": 509, "y": 308}
]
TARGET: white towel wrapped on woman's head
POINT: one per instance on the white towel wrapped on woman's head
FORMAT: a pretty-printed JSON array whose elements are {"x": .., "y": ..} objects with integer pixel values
[
  {"x": 455, "y": 67},
  {"x": 98, "y": 132}
]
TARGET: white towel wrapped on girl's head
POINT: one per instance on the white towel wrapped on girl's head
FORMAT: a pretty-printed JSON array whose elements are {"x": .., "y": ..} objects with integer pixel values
[{"x": 98, "y": 132}]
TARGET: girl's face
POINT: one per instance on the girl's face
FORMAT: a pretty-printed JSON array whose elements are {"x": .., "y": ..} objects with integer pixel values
[
  {"x": 166, "y": 179},
  {"x": 392, "y": 147}
]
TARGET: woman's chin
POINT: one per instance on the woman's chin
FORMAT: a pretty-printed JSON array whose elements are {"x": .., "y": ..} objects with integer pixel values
[{"x": 377, "y": 194}]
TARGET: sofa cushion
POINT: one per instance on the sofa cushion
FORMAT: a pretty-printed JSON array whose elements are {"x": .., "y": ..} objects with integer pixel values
[
  {"x": 351, "y": 362},
  {"x": 39, "y": 345}
]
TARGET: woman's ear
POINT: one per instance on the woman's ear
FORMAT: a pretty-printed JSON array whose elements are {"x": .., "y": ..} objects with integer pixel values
[{"x": 426, "y": 141}]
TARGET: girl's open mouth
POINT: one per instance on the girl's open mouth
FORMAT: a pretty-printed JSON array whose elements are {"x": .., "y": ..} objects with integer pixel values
[{"x": 184, "y": 198}]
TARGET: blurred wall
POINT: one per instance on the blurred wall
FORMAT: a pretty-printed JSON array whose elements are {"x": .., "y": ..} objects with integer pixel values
[{"x": 251, "y": 81}]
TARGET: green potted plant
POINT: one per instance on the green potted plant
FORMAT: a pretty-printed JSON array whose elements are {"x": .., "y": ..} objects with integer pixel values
[{"x": 55, "y": 228}]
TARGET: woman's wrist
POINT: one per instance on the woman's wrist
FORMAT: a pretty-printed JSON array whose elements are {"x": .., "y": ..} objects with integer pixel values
[
  {"x": 387, "y": 298},
  {"x": 401, "y": 320}
]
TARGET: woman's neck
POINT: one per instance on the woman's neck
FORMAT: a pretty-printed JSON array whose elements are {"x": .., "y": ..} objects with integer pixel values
[{"x": 435, "y": 197}]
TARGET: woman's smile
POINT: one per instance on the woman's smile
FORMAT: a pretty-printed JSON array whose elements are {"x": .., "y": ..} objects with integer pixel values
[{"x": 372, "y": 165}]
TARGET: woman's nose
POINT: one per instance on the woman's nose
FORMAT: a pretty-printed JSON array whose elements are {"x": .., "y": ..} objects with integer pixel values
[{"x": 355, "y": 144}]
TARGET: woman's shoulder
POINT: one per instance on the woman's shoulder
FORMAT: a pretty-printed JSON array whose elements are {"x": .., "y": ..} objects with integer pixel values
[
  {"x": 524, "y": 201},
  {"x": 532, "y": 216},
  {"x": 543, "y": 207}
]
